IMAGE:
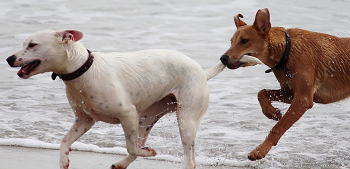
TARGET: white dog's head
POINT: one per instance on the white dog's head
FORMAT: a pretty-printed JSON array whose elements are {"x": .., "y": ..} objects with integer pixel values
[{"x": 44, "y": 51}]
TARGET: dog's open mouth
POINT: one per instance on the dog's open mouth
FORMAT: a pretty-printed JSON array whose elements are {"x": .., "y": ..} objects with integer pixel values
[
  {"x": 247, "y": 58},
  {"x": 27, "y": 69},
  {"x": 234, "y": 65}
]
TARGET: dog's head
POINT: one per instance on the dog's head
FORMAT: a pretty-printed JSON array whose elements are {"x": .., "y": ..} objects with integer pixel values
[
  {"x": 44, "y": 51},
  {"x": 248, "y": 40}
]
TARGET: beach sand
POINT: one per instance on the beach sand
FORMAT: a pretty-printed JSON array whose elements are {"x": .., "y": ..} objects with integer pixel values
[{"x": 21, "y": 157}]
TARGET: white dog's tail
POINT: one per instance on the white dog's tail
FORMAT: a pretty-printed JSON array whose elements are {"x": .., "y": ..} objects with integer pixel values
[
  {"x": 218, "y": 68},
  {"x": 215, "y": 70}
]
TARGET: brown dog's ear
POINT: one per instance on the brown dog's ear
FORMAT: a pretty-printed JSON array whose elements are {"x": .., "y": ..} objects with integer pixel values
[
  {"x": 238, "y": 21},
  {"x": 262, "y": 21},
  {"x": 67, "y": 35}
]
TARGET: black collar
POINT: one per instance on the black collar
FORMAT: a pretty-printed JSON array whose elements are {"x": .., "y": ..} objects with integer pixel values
[
  {"x": 78, "y": 72},
  {"x": 282, "y": 64}
]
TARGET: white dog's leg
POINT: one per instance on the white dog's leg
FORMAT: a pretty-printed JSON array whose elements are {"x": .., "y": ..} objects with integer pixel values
[
  {"x": 81, "y": 125},
  {"x": 130, "y": 124},
  {"x": 147, "y": 119},
  {"x": 188, "y": 131},
  {"x": 189, "y": 112},
  {"x": 131, "y": 135}
]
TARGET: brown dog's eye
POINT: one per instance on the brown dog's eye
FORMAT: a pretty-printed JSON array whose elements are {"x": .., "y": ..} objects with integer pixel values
[
  {"x": 243, "y": 41},
  {"x": 30, "y": 45}
]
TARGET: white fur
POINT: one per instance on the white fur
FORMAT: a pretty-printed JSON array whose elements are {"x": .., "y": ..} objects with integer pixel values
[{"x": 133, "y": 89}]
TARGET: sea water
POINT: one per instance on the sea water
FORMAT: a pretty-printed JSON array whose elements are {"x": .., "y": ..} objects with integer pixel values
[{"x": 35, "y": 112}]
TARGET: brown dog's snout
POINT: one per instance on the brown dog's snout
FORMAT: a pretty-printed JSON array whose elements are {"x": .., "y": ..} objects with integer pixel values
[
  {"x": 224, "y": 59},
  {"x": 11, "y": 60}
]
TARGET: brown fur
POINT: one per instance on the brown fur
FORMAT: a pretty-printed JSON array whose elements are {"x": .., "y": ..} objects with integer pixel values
[{"x": 319, "y": 63}]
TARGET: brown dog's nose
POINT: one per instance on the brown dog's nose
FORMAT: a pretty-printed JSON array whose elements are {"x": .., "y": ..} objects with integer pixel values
[
  {"x": 11, "y": 60},
  {"x": 224, "y": 59}
]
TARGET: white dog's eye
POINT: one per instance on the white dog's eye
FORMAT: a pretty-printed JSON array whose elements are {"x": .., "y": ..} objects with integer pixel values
[{"x": 30, "y": 45}]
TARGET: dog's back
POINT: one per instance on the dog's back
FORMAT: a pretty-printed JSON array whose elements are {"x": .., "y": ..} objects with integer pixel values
[
  {"x": 327, "y": 56},
  {"x": 146, "y": 69}
]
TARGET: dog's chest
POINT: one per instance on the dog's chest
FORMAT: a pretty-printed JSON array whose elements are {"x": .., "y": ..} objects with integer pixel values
[
  {"x": 101, "y": 112},
  {"x": 98, "y": 108},
  {"x": 284, "y": 80}
]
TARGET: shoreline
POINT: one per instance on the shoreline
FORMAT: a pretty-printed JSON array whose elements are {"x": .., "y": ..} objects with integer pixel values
[{"x": 15, "y": 157}]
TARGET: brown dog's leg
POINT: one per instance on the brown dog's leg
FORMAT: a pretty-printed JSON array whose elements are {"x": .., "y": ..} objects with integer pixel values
[
  {"x": 300, "y": 104},
  {"x": 265, "y": 98}
]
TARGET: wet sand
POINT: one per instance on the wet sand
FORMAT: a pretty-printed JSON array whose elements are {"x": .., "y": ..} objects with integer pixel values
[{"x": 20, "y": 157}]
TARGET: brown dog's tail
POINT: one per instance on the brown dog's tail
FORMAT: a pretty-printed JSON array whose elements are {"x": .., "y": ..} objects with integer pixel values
[{"x": 215, "y": 70}]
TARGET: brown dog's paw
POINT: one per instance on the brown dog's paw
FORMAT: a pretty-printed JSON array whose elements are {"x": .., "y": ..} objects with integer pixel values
[
  {"x": 260, "y": 152},
  {"x": 275, "y": 114},
  {"x": 255, "y": 155}
]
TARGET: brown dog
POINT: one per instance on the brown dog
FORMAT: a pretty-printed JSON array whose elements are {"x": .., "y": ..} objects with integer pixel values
[{"x": 310, "y": 67}]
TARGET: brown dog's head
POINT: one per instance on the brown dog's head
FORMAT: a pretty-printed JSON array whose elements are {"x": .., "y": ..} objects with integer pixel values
[{"x": 248, "y": 40}]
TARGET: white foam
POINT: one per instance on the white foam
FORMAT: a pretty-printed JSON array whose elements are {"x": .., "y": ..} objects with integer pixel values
[{"x": 28, "y": 143}]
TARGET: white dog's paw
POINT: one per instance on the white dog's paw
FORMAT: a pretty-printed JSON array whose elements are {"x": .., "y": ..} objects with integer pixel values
[
  {"x": 64, "y": 161},
  {"x": 117, "y": 166},
  {"x": 64, "y": 164},
  {"x": 149, "y": 152}
]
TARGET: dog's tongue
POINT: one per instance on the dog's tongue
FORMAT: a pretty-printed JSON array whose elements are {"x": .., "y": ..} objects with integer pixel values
[
  {"x": 25, "y": 70},
  {"x": 234, "y": 65}
]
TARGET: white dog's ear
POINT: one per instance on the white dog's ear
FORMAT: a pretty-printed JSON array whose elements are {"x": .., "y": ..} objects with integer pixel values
[{"x": 67, "y": 35}]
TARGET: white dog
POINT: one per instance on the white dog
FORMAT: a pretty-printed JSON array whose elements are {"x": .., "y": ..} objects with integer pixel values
[{"x": 134, "y": 89}]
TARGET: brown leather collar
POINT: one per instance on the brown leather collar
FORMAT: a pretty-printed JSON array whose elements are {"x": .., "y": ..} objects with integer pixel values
[
  {"x": 78, "y": 72},
  {"x": 282, "y": 64}
]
